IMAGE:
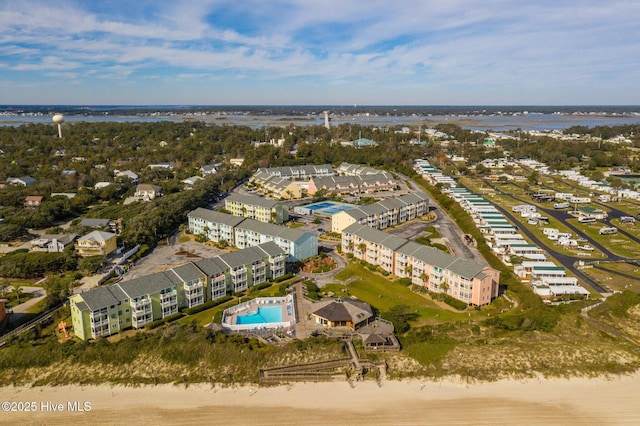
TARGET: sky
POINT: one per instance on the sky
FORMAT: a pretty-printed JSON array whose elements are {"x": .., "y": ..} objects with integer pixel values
[{"x": 312, "y": 52}]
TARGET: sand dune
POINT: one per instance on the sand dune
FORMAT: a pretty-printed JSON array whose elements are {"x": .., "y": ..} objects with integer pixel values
[{"x": 531, "y": 401}]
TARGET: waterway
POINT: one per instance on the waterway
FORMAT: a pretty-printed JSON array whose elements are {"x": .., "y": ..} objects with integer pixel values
[{"x": 497, "y": 121}]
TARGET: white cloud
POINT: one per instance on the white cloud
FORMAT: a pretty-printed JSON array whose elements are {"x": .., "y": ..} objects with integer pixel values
[{"x": 502, "y": 44}]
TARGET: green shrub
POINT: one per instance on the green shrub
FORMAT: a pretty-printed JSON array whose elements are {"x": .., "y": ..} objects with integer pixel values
[
  {"x": 208, "y": 305},
  {"x": 284, "y": 277},
  {"x": 260, "y": 286},
  {"x": 170, "y": 318},
  {"x": 458, "y": 304}
]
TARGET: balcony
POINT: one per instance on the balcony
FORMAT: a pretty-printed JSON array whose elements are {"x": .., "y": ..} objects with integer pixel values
[
  {"x": 258, "y": 265},
  {"x": 168, "y": 299},
  {"x": 141, "y": 304},
  {"x": 190, "y": 287},
  {"x": 142, "y": 310},
  {"x": 194, "y": 294},
  {"x": 238, "y": 271},
  {"x": 100, "y": 331},
  {"x": 99, "y": 321},
  {"x": 140, "y": 321}
]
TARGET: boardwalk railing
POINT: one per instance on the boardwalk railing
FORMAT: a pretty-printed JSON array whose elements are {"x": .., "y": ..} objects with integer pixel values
[{"x": 29, "y": 325}]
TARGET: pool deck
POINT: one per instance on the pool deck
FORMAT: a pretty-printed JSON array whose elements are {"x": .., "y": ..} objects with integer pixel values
[{"x": 253, "y": 305}]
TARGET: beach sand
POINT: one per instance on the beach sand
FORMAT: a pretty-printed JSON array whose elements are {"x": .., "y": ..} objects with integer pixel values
[{"x": 531, "y": 401}]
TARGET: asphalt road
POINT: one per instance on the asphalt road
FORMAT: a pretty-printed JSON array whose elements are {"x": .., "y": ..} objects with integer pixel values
[{"x": 567, "y": 261}]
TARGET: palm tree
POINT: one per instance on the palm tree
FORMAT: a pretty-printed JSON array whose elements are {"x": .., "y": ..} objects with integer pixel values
[
  {"x": 408, "y": 270},
  {"x": 425, "y": 279},
  {"x": 349, "y": 246},
  {"x": 17, "y": 290},
  {"x": 444, "y": 287},
  {"x": 362, "y": 247}
]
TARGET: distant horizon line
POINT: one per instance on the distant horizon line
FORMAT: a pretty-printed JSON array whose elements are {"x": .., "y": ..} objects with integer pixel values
[{"x": 317, "y": 105}]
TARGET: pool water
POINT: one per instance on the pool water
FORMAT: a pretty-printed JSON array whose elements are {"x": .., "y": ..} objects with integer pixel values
[
  {"x": 319, "y": 206},
  {"x": 329, "y": 207},
  {"x": 265, "y": 314}
]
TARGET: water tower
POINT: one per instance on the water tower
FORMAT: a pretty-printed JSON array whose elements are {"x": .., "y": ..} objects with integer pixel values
[{"x": 59, "y": 119}]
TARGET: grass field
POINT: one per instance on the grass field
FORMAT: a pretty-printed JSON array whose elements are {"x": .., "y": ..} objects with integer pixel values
[
  {"x": 610, "y": 274},
  {"x": 383, "y": 294}
]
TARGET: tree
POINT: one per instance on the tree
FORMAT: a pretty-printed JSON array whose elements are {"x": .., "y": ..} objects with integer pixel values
[
  {"x": 408, "y": 270},
  {"x": 4, "y": 286},
  {"x": 400, "y": 316},
  {"x": 11, "y": 232},
  {"x": 17, "y": 290},
  {"x": 425, "y": 279},
  {"x": 349, "y": 246}
]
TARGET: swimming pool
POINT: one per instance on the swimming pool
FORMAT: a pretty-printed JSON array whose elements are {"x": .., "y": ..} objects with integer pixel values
[
  {"x": 261, "y": 313},
  {"x": 325, "y": 208},
  {"x": 319, "y": 206},
  {"x": 264, "y": 315}
]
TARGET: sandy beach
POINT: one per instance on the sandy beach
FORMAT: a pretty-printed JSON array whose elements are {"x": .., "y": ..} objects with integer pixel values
[{"x": 531, "y": 401}]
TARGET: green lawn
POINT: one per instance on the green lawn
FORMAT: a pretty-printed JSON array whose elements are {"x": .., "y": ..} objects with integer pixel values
[
  {"x": 383, "y": 294},
  {"x": 618, "y": 243},
  {"x": 13, "y": 300}
]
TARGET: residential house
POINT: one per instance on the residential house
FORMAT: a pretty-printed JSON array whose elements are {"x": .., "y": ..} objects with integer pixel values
[
  {"x": 52, "y": 243},
  {"x": 165, "y": 166},
  {"x": 209, "y": 169},
  {"x": 97, "y": 223},
  {"x": 24, "y": 180},
  {"x": 101, "y": 185},
  {"x": 97, "y": 243},
  {"x": 33, "y": 201},
  {"x": 190, "y": 181},
  {"x": 128, "y": 174},
  {"x": 147, "y": 192}
]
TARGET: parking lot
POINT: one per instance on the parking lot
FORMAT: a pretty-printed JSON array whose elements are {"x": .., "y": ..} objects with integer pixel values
[{"x": 173, "y": 254}]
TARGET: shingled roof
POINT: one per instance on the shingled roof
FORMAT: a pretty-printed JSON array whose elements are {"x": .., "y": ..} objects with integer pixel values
[{"x": 342, "y": 310}]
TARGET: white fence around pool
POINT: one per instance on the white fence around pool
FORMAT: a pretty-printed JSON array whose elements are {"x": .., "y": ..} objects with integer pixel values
[{"x": 229, "y": 316}]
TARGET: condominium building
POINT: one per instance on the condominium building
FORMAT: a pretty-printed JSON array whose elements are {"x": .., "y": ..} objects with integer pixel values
[
  {"x": 255, "y": 207},
  {"x": 384, "y": 213},
  {"x": 348, "y": 169},
  {"x": 353, "y": 184},
  {"x": 278, "y": 187},
  {"x": 214, "y": 225},
  {"x": 132, "y": 304},
  {"x": 297, "y": 244},
  {"x": 242, "y": 233},
  {"x": 436, "y": 270},
  {"x": 299, "y": 172}
]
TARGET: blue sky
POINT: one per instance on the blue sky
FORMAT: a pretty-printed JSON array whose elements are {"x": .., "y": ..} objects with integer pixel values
[{"x": 342, "y": 52}]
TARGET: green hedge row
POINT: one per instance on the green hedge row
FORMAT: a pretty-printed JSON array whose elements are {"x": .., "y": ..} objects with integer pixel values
[
  {"x": 158, "y": 323},
  {"x": 284, "y": 277},
  {"x": 208, "y": 305}
]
